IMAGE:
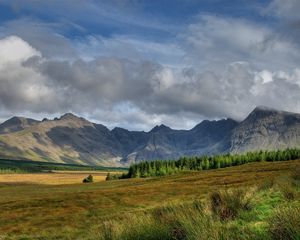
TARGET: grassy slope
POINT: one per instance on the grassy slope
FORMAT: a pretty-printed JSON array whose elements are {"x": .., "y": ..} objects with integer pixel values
[
  {"x": 35, "y": 166},
  {"x": 75, "y": 210}
]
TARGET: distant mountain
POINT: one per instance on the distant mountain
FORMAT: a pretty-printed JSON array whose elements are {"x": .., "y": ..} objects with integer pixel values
[
  {"x": 69, "y": 139},
  {"x": 72, "y": 139},
  {"x": 166, "y": 143},
  {"x": 15, "y": 124},
  {"x": 266, "y": 128}
]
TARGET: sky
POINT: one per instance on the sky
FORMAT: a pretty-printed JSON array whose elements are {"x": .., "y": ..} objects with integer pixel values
[{"x": 136, "y": 64}]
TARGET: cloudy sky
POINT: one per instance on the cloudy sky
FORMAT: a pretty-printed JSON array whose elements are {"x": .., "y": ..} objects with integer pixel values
[{"x": 135, "y": 63}]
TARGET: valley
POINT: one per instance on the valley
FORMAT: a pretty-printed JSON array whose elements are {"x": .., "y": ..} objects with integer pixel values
[{"x": 149, "y": 120}]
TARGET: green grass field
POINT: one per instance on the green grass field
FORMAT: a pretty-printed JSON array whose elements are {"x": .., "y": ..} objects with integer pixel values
[
  {"x": 25, "y": 166},
  {"x": 101, "y": 210}
]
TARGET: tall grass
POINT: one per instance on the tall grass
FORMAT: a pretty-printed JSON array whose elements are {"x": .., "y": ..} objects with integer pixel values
[
  {"x": 229, "y": 203},
  {"x": 192, "y": 220},
  {"x": 287, "y": 187},
  {"x": 285, "y": 223},
  {"x": 172, "y": 222},
  {"x": 221, "y": 216}
]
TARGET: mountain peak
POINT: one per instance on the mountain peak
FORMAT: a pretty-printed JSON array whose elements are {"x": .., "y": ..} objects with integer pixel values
[
  {"x": 214, "y": 123},
  {"x": 16, "y": 123},
  {"x": 15, "y": 119},
  {"x": 160, "y": 128},
  {"x": 264, "y": 108},
  {"x": 270, "y": 114},
  {"x": 69, "y": 116},
  {"x": 261, "y": 112}
]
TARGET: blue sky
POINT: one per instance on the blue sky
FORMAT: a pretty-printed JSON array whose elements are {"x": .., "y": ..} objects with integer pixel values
[
  {"x": 155, "y": 20},
  {"x": 136, "y": 64}
]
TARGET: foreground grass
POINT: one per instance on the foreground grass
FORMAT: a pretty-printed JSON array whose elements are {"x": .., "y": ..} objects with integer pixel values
[
  {"x": 157, "y": 208},
  {"x": 240, "y": 213}
]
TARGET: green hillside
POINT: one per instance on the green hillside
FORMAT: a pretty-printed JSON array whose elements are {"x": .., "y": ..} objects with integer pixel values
[{"x": 19, "y": 166}]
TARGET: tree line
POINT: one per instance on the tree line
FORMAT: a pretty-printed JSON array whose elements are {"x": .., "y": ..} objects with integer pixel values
[{"x": 197, "y": 163}]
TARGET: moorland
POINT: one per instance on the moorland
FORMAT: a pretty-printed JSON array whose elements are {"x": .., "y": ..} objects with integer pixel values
[{"x": 252, "y": 201}]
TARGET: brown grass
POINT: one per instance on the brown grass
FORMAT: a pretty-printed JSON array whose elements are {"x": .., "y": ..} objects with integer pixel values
[
  {"x": 58, "y": 209},
  {"x": 56, "y": 178}
]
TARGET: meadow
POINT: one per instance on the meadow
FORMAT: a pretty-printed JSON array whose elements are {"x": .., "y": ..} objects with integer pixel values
[
  {"x": 52, "y": 178},
  {"x": 26, "y": 166},
  {"x": 168, "y": 207}
]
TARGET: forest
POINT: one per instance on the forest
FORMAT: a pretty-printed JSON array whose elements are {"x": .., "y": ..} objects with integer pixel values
[{"x": 197, "y": 163}]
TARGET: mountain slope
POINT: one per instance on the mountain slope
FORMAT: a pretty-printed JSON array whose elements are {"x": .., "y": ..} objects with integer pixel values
[
  {"x": 71, "y": 139},
  {"x": 166, "y": 143},
  {"x": 15, "y": 124},
  {"x": 266, "y": 128}
]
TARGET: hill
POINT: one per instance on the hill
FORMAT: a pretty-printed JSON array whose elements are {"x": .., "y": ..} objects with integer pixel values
[{"x": 75, "y": 140}]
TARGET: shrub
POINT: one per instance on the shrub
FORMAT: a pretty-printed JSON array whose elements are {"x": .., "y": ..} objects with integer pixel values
[
  {"x": 109, "y": 176},
  {"x": 227, "y": 204},
  {"x": 88, "y": 179},
  {"x": 285, "y": 223}
]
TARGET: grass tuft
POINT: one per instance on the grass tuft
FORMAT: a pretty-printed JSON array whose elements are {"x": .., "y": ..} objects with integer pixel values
[
  {"x": 228, "y": 203},
  {"x": 288, "y": 190},
  {"x": 285, "y": 223}
]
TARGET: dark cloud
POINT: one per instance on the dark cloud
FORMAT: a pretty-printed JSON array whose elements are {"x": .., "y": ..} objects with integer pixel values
[
  {"x": 287, "y": 14},
  {"x": 124, "y": 91},
  {"x": 217, "y": 67}
]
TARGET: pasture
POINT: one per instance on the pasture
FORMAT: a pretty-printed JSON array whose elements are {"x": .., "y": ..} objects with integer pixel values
[{"x": 65, "y": 208}]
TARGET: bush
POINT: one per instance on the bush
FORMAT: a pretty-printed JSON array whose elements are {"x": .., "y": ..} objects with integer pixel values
[
  {"x": 227, "y": 204},
  {"x": 88, "y": 179},
  {"x": 109, "y": 176},
  {"x": 285, "y": 223}
]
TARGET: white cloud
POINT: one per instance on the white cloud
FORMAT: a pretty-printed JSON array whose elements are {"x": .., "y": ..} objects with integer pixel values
[
  {"x": 14, "y": 49},
  {"x": 21, "y": 87},
  {"x": 219, "y": 67},
  {"x": 288, "y": 9},
  {"x": 213, "y": 42},
  {"x": 265, "y": 76}
]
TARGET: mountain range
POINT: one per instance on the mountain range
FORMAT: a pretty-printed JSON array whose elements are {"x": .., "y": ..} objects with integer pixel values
[{"x": 72, "y": 139}]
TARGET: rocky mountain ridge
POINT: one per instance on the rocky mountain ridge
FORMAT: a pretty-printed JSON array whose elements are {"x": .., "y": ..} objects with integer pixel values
[{"x": 72, "y": 139}]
